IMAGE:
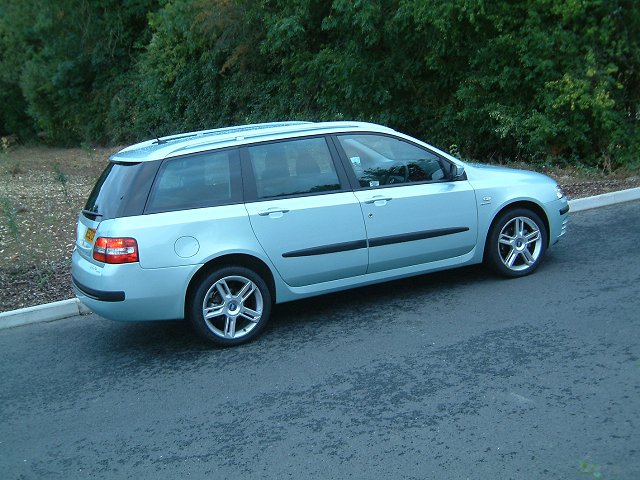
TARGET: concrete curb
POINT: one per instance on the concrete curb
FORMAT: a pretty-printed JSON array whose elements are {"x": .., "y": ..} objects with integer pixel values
[
  {"x": 69, "y": 308},
  {"x": 604, "y": 200},
  {"x": 43, "y": 313}
]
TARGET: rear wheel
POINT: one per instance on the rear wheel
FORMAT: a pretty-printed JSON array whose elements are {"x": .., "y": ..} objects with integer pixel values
[
  {"x": 516, "y": 243},
  {"x": 230, "y": 306}
]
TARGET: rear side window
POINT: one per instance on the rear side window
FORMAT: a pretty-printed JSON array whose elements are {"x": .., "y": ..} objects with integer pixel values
[
  {"x": 293, "y": 167},
  {"x": 195, "y": 181}
]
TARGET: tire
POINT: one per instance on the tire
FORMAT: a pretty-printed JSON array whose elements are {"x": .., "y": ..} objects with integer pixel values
[
  {"x": 230, "y": 306},
  {"x": 516, "y": 243}
]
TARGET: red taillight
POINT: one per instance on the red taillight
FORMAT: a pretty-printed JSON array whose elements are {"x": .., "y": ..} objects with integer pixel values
[{"x": 115, "y": 250}]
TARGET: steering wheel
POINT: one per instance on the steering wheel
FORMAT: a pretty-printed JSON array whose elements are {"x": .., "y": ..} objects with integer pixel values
[{"x": 398, "y": 172}]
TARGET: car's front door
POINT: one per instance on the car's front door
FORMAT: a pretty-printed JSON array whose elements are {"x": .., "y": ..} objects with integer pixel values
[
  {"x": 303, "y": 213},
  {"x": 414, "y": 213}
]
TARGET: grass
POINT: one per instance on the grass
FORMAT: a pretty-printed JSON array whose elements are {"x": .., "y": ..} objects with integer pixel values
[
  {"x": 61, "y": 177},
  {"x": 9, "y": 214}
]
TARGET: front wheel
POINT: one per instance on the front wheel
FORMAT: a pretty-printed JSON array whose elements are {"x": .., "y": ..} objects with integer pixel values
[
  {"x": 516, "y": 243},
  {"x": 230, "y": 306}
]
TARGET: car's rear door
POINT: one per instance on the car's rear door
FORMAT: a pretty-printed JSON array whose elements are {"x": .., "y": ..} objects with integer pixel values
[
  {"x": 120, "y": 191},
  {"x": 303, "y": 211}
]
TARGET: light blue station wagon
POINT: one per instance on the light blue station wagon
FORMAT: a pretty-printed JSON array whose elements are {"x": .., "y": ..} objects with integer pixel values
[{"x": 216, "y": 226}]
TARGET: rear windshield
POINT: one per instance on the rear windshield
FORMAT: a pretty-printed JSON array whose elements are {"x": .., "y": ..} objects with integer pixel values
[{"x": 111, "y": 190}]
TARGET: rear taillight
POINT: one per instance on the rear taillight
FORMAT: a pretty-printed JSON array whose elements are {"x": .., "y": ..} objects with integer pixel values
[{"x": 115, "y": 250}]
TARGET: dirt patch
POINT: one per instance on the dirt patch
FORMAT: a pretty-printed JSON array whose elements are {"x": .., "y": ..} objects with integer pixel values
[
  {"x": 41, "y": 192},
  {"x": 578, "y": 189},
  {"x": 43, "y": 189}
]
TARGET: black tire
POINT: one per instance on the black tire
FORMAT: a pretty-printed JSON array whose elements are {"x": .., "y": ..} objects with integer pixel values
[
  {"x": 230, "y": 323},
  {"x": 512, "y": 250}
]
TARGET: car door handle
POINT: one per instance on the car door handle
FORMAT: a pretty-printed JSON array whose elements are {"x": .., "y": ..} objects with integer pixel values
[
  {"x": 379, "y": 198},
  {"x": 265, "y": 213}
]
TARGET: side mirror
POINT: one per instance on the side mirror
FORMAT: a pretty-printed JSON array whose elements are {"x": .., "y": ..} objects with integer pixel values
[{"x": 457, "y": 171}]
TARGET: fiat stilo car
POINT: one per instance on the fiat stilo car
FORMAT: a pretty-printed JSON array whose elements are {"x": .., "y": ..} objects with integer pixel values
[{"x": 216, "y": 226}]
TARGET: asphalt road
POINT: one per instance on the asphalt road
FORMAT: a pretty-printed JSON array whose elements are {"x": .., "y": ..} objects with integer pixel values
[{"x": 454, "y": 375}]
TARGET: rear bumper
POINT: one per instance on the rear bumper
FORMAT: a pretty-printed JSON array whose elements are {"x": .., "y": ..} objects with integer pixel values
[
  {"x": 98, "y": 294},
  {"x": 129, "y": 292}
]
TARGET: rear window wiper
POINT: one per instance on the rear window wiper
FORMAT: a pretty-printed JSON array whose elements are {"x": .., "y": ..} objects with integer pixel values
[{"x": 91, "y": 213}]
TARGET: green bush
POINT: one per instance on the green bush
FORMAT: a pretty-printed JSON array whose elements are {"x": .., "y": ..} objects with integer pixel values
[
  {"x": 534, "y": 80},
  {"x": 67, "y": 59}
]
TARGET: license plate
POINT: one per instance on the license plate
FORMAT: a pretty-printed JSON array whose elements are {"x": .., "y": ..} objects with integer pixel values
[{"x": 90, "y": 234}]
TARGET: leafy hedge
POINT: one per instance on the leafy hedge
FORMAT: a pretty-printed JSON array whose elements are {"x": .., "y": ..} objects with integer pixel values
[{"x": 536, "y": 80}]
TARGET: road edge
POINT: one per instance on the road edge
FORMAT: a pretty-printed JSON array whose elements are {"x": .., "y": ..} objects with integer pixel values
[
  {"x": 605, "y": 199},
  {"x": 50, "y": 312},
  {"x": 47, "y": 312}
]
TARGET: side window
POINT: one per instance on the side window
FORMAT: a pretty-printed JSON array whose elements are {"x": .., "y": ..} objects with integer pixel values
[
  {"x": 293, "y": 167},
  {"x": 193, "y": 181},
  {"x": 380, "y": 160}
]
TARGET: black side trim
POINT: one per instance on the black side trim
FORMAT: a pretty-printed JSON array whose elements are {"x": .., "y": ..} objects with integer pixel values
[
  {"x": 374, "y": 242},
  {"x": 336, "y": 247},
  {"x": 564, "y": 210},
  {"x": 410, "y": 237},
  {"x": 98, "y": 294}
]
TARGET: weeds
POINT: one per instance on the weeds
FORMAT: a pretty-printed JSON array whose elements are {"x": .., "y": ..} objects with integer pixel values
[
  {"x": 10, "y": 216},
  {"x": 590, "y": 469},
  {"x": 43, "y": 272},
  {"x": 43, "y": 275},
  {"x": 88, "y": 150},
  {"x": 62, "y": 178},
  {"x": 454, "y": 150},
  {"x": 605, "y": 164},
  {"x": 4, "y": 148},
  {"x": 11, "y": 166},
  {"x": 14, "y": 168}
]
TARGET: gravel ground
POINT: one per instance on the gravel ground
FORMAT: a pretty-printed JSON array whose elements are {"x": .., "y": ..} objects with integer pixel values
[
  {"x": 43, "y": 189},
  {"x": 41, "y": 192},
  {"x": 581, "y": 189}
]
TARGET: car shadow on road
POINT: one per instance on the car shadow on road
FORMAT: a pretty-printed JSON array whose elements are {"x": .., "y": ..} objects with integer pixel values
[
  {"x": 302, "y": 322},
  {"x": 359, "y": 305}
]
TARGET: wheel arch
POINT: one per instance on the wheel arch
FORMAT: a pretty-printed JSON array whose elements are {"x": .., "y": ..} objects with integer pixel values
[
  {"x": 235, "y": 259},
  {"x": 526, "y": 204}
]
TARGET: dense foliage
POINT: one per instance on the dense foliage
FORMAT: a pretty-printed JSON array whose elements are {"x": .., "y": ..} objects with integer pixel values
[{"x": 536, "y": 80}]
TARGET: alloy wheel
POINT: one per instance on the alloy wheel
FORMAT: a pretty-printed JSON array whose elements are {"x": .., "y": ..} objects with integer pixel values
[
  {"x": 520, "y": 243},
  {"x": 232, "y": 307}
]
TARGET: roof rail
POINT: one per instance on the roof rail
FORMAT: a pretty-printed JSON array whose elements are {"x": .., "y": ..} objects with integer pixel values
[{"x": 225, "y": 131}]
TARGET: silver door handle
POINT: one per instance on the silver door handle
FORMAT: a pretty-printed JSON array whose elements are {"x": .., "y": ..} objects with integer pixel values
[
  {"x": 378, "y": 199},
  {"x": 265, "y": 213}
]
